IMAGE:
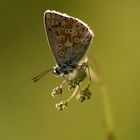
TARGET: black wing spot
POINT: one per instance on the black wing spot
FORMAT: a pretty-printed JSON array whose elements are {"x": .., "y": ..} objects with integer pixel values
[
  {"x": 61, "y": 53},
  {"x": 76, "y": 40},
  {"x": 67, "y": 30},
  {"x": 59, "y": 24},
  {"x": 70, "y": 30},
  {"x": 59, "y": 46}
]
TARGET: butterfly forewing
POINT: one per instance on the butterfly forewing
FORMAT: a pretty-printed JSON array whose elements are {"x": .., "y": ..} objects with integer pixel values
[{"x": 68, "y": 37}]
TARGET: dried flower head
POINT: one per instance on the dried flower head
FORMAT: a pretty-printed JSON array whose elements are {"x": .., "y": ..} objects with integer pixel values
[
  {"x": 62, "y": 105},
  {"x": 83, "y": 95},
  {"x": 56, "y": 91}
]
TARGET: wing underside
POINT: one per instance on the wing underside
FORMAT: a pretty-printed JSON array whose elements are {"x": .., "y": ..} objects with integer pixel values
[{"x": 68, "y": 37}]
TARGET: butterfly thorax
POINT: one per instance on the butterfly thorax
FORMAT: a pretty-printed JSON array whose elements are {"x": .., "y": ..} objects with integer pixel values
[{"x": 63, "y": 69}]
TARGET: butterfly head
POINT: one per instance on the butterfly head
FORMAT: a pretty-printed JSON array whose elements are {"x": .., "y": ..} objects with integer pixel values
[{"x": 63, "y": 69}]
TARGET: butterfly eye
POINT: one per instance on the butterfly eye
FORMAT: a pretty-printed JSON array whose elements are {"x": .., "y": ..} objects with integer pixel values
[
  {"x": 76, "y": 40},
  {"x": 61, "y": 54}
]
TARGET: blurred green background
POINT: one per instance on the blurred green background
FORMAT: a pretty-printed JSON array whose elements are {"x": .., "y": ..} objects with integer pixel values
[{"x": 27, "y": 110}]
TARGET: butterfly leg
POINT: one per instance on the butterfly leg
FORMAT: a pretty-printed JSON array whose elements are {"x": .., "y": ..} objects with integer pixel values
[
  {"x": 89, "y": 75},
  {"x": 85, "y": 94}
]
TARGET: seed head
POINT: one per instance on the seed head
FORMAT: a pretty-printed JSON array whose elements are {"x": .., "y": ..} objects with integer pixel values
[
  {"x": 56, "y": 91},
  {"x": 83, "y": 95},
  {"x": 62, "y": 105}
]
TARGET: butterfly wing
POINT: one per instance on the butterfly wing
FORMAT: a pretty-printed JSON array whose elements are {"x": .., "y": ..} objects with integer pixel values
[{"x": 68, "y": 37}]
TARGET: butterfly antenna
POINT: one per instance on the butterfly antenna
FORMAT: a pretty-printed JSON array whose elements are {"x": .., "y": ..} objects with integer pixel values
[{"x": 36, "y": 78}]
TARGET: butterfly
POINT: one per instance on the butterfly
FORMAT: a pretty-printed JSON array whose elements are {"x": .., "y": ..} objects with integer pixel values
[{"x": 68, "y": 38}]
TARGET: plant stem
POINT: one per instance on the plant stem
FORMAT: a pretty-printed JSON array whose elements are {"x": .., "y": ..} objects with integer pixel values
[
  {"x": 73, "y": 94},
  {"x": 107, "y": 113},
  {"x": 100, "y": 81}
]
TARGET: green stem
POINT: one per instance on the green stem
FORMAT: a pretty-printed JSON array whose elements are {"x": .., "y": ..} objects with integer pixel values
[
  {"x": 107, "y": 113},
  {"x": 100, "y": 81},
  {"x": 74, "y": 93}
]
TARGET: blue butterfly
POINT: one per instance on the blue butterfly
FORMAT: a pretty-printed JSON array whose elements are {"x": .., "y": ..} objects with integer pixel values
[{"x": 68, "y": 38}]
